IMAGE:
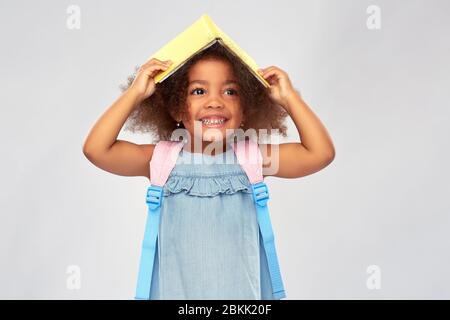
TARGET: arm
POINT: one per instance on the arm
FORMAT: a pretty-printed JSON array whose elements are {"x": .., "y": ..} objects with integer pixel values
[
  {"x": 314, "y": 152},
  {"x": 105, "y": 151},
  {"x": 103, "y": 148}
]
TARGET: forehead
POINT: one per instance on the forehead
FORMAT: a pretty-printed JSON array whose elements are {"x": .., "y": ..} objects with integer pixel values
[{"x": 211, "y": 71}]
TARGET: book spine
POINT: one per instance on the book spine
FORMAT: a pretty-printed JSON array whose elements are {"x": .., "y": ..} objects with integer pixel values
[{"x": 211, "y": 27}]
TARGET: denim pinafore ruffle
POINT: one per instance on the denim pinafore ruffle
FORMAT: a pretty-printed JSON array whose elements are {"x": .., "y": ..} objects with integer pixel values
[{"x": 209, "y": 244}]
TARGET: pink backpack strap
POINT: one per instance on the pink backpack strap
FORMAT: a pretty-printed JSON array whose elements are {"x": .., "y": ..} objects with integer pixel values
[
  {"x": 250, "y": 158},
  {"x": 163, "y": 161}
]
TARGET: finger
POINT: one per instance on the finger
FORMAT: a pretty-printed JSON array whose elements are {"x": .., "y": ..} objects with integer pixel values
[
  {"x": 157, "y": 67},
  {"x": 269, "y": 73},
  {"x": 265, "y": 70},
  {"x": 155, "y": 61},
  {"x": 150, "y": 69}
]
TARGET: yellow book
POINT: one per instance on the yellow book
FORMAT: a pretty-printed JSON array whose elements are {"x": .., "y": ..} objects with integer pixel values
[{"x": 197, "y": 37}]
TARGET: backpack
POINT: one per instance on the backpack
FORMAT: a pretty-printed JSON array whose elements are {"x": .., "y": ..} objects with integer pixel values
[{"x": 164, "y": 158}]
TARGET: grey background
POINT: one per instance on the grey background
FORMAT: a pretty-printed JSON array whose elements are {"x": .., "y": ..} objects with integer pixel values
[{"x": 382, "y": 94}]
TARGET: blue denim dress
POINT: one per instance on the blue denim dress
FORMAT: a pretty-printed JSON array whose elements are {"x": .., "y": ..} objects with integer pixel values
[{"x": 209, "y": 244}]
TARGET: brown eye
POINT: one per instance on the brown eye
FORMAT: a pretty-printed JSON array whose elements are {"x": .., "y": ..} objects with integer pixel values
[
  {"x": 195, "y": 90},
  {"x": 234, "y": 92}
]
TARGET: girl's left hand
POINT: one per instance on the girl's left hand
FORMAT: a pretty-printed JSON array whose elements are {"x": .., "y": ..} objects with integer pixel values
[{"x": 280, "y": 85}]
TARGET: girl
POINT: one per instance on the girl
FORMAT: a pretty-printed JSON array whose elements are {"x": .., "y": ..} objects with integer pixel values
[{"x": 209, "y": 246}]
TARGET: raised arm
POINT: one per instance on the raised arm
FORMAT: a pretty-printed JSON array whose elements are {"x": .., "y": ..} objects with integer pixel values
[
  {"x": 314, "y": 152},
  {"x": 103, "y": 148}
]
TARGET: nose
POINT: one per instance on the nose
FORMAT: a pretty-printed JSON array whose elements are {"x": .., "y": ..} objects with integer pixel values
[
  {"x": 215, "y": 104},
  {"x": 215, "y": 101}
]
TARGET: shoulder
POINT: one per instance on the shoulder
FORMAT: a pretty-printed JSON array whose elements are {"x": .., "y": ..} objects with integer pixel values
[
  {"x": 125, "y": 158},
  {"x": 266, "y": 153},
  {"x": 160, "y": 152},
  {"x": 146, "y": 154}
]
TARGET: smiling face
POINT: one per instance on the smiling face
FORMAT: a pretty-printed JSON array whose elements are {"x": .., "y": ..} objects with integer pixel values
[{"x": 213, "y": 101}]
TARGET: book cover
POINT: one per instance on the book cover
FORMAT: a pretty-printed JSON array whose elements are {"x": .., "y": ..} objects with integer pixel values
[{"x": 197, "y": 37}]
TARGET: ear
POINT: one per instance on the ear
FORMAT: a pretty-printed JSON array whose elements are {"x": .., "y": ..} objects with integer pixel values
[
  {"x": 243, "y": 116},
  {"x": 175, "y": 117}
]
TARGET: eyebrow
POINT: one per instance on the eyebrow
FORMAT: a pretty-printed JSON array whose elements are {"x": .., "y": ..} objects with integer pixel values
[{"x": 206, "y": 82}]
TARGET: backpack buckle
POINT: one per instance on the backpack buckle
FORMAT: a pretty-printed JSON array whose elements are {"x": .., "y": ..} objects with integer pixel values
[
  {"x": 154, "y": 197},
  {"x": 260, "y": 193}
]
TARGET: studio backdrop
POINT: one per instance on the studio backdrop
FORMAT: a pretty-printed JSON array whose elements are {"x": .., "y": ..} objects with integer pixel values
[{"x": 372, "y": 225}]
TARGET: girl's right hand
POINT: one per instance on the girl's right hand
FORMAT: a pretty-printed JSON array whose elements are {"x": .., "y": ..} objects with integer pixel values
[{"x": 144, "y": 84}]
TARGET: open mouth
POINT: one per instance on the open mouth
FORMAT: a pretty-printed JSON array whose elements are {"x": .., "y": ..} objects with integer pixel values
[{"x": 213, "y": 122}]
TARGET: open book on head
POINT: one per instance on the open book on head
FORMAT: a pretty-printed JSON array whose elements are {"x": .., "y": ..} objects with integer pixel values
[{"x": 197, "y": 37}]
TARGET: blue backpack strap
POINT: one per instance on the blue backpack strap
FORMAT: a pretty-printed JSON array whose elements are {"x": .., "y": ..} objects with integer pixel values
[
  {"x": 250, "y": 158},
  {"x": 261, "y": 196},
  {"x": 163, "y": 160}
]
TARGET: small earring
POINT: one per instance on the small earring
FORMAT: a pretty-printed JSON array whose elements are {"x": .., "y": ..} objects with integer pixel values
[
  {"x": 178, "y": 124},
  {"x": 242, "y": 124}
]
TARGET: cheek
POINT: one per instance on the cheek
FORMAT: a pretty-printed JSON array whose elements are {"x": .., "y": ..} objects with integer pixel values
[
  {"x": 238, "y": 116},
  {"x": 191, "y": 112}
]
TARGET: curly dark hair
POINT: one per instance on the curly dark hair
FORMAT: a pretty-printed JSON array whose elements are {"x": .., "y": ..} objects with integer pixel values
[{"x": 156, "y": 113}]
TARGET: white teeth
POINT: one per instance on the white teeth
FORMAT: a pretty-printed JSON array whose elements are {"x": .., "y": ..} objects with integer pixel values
[{"x": 213, "y": 121}]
